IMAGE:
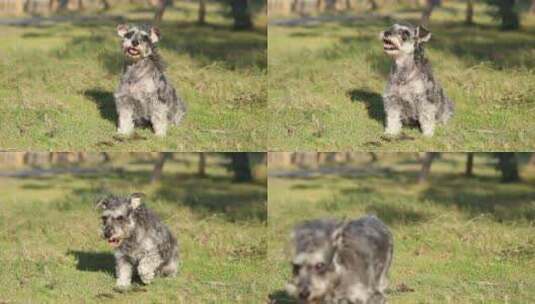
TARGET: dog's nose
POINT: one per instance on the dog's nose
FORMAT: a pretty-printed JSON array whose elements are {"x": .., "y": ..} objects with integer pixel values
[
  {"x": 135, "y": 43},
  {"x": 304, "y": 294},
  {"x": 107, "y": 232}
]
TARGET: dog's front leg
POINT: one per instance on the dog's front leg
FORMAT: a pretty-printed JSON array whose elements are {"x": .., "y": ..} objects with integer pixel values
[
  {"x": 125, "y": 109},
  {"x": 393, "y": 116},
  {"x": 123, "y": 269},
  {"x": 147, "y": 267}
]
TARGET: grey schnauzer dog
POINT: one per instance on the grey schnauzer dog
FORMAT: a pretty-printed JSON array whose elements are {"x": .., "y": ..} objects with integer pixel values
[
  {"x": 144, "y": 94},
  {"x": 412, "y": 95},
  {"x": 338, "y": 262},
  {"x": 141, "y": 241}
]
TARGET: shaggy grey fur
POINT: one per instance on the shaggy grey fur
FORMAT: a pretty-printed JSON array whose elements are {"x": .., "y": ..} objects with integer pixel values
[
  {"x": 412, "y": 94},
  {"x": 341, "y": 262},
  {"x": 141, "y": 241},
  {"x": 144, "y": 94}
]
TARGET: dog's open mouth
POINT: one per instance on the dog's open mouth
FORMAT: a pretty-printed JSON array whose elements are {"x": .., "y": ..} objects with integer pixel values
[
  {"x": 388, "y": 45},
  {"x": 114, "y": 242},
  {"x": 132, "y": 51}
]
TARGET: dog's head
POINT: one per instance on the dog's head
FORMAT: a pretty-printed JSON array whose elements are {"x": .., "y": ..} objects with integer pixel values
[
  {"x": 118, "y": 221},
  {"x": 402, "y": 40},
  {"x": 138, "y": 41},
  {"x": 314, "y": 271}
]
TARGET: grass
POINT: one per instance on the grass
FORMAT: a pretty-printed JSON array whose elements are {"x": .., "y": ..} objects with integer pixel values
[
  {"x": 326, "y": 79},
  {"x": 57, "y": 82},
  {"x": 52, "y": 252},
  {"x": 456, "y": 239}
]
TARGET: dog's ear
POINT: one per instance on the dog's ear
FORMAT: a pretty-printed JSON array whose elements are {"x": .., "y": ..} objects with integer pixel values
[
  {"x": 422, "y": 34},
  {"x": 102, "y": 203},
  {"x": 336, "y": 236},
  {"x": 154, "y": 34},
  {"x": 135, "y": 199},
  {"x": 122, "y": 29}
]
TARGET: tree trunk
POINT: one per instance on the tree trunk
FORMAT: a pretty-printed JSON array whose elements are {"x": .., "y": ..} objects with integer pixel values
[
  {"x": 158, "y": 167},
  {"x": 202, "y": 12},
  {"x": 241, "y": 167},
  {"x": 469, "y": 172},
  {"x": 510, "y": 18},
  {"x": 532, "y": 8},
  {"x": 374, "y": 157},
  {"x": 469, "y": 12},
  {"x": 508, "y": 165},
  {"x": 241, "y": 15},
  {"x": 202, "y": 164},
  {"x": 160, "y": 10},
  {"x": 373, "y": 5},
  {"x": 428, "y": 10},
  {"x": 427, "y": 161},
  {"x": 105, "y": 5},
  {"x": 532, "y": 159}
]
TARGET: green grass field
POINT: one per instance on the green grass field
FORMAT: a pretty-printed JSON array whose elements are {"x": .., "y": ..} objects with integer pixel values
[
  {"x": 326, "y": 80},
  {"x": 456, "y": 239},
  {"x": 51, "y": 251},
  {"x": 57, "y": 82}
]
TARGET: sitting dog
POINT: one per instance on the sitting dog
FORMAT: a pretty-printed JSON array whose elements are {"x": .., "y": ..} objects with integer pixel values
[
  {"x": 144, "y": 94},
  {"x": 412, "y": 94},
  {"x": 141, "y": 241},
  {"x": 341, "y": 262}
]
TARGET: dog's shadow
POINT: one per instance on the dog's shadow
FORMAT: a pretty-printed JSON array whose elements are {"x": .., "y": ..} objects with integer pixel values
[
  {"x": 104, "y": 101},
  {"x": 94, "y": 261},
  {"x": 281, "y": 297},
  {"x": 372, "y": 101}
]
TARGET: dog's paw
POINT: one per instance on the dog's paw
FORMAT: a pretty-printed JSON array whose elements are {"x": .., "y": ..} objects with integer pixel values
[{"x": 121, "y": 288}]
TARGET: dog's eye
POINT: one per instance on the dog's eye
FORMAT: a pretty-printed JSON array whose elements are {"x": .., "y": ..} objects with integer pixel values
[
  {"x": 146, "y": 38},
  {"x": 128, "y": 35},
  {"x": 320, "y": 267},
  {"x": 295, "y": 269},
  {"x": 405, "y": 35},
  {"x": 120, "y": 218}
]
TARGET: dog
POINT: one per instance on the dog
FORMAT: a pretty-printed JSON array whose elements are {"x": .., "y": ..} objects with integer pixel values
[
  {"x": 141, "y": 241},
  {"x": 412, "y": 95},
  {"x": 144, "y": 95},
  {"x": 341, "y": 262}
]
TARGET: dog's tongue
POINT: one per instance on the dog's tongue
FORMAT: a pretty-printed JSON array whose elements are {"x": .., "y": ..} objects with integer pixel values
[
  {"x": 113, "y": 242},
  {"x": 132, "y": 51}
]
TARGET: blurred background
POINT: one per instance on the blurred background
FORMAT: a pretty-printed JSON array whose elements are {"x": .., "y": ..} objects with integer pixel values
[
  {"x": 507, "y": 12},
  {"x": 216, "y": 204},
  {"x": 463, "y": 223}
]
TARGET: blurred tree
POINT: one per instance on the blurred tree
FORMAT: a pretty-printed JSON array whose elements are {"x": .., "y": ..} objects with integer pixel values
[
  {"x": 427, "y": 161},
  {"x": 506, "y": 11},
  {"x": 202, "y": 165},
  {"x": 161, "y": 5},
  {"x": 241, "y": 167},
  {"x": 373, "y": 5},
  {"x": 508, "y": 165},
  {"x": 202, "y": 12},
  {"x": 158, "y": 167},
  {"x": 428, "y": 10},
  {"x": 241, "y": 15},
  {"x": 532, "y": 159},
  {"x": 469, "y": 172},
  {"x": 532, "y": 8},
  {"x": 469, "y": 20}
]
